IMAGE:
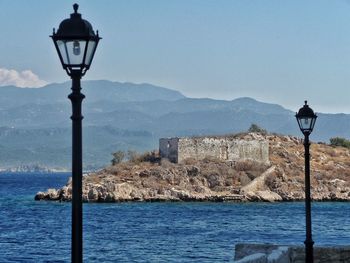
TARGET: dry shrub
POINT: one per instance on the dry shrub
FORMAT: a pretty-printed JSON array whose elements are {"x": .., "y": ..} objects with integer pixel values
[
  {"x": 118, "y": 157},
  {"x": 231, "y": 173},
  {"x": 346, "y": 175},
  {"x": 212, "y": 159},
  {"x": 330, "y": 151},
  {"x": 253, "y": 174},
  {"x": 165, "y": 163},
  {"x": 136, "y": 158},
  {"x": 270, "y": 181},
  {"x": 318, "y": 176},
  {"x": 249, "y": 165},
  {"x": 342, "y": 174},
  {"x": 300, "y": 180},
  {"x": 119, "y": 169},
  {"x": 114, "y": 169},
  {"x": 230, "y": 182},
  {"x": 190, "y": 161},
  {"x": 92, "y": 178},
  {"x": 243, "y": 179},
  {"x": 208, "y": 169},
  {"x": 324, "y": 176},
  {"x": 328, "y": 167},
  {"x": 294, "y": 173},
  {"x": 243, "y": 165},
  {"x": 152, "y": 157},
  {"x": 192, "y": 170}
]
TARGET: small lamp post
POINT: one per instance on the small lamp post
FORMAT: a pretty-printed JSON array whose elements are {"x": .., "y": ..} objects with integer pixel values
[
  {"x": 76, "y": 43},
  {"x": 306, "y": 119}
]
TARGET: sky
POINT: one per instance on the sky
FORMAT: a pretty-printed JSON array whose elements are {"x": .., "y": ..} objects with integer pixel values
[{"x": 274, "y": 51}]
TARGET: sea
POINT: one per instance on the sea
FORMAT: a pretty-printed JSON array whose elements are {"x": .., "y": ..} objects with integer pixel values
[{"x": 40, "y": 231}]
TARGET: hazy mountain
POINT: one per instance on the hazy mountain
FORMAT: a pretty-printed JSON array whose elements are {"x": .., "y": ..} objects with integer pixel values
[
  {"x": 96, "y": 90},
  {"x": 51, "y": 147},
  {"x": 121, "y": 116}
]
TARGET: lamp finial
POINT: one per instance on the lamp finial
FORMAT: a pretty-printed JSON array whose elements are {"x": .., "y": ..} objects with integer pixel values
[{"x": 75, "y": 7}]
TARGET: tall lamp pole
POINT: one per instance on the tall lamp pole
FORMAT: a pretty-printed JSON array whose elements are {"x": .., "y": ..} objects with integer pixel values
[
  {"x": 306, "y": 120},
  {"x": 76, "y": 43}
]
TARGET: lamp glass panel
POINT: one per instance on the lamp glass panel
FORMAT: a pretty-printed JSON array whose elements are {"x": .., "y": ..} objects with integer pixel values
[
  {"x": 306, "y": 123},
  {"x": 62, "y": 47},
  {"x": 72, "y": 51},
  {"x": 90, "y": 51},
  {"x": 313, "y": 123}
]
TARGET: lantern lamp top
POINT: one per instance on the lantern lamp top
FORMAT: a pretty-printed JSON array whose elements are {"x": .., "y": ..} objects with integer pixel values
[
  {"x": 305, "y": 111},
  {"x": 75, "y": 27},
  {"x": 306, "y": 119}
]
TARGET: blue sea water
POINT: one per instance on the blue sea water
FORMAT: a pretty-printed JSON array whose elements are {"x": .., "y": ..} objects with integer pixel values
[{"x": 39, "y": 231}]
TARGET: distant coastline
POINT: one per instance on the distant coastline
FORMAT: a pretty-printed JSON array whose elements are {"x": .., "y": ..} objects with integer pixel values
[
  {"x": 41, "y": 169},
  {"x": 33, "y": 169}
]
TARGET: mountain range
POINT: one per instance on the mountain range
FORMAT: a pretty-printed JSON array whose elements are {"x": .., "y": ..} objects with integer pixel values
[{"x": 35, "y": 128}]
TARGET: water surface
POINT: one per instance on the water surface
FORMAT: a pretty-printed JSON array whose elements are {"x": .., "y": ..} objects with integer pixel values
[{"x": 39, "y": 231}]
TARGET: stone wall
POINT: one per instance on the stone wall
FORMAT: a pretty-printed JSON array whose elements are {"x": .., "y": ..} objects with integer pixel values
[{"x": 223, "y": 148}]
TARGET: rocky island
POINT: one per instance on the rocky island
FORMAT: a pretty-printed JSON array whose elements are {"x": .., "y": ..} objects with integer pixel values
[{"x": 148, "y": 177}]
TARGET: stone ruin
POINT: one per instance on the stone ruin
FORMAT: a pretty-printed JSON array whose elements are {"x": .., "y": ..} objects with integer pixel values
[{"x": 227, "y": 148}]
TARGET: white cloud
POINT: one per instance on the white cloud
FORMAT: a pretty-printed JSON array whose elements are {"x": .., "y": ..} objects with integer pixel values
[{"x": 23, "y": 79}]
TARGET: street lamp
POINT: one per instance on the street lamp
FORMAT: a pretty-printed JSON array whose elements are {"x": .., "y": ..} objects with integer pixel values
[
  {"x": 306, "y": 120},
  {"x": 76, "y": 43}
]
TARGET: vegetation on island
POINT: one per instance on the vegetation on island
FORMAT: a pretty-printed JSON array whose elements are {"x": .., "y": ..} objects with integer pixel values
[
  {"x": 256, "y": 128},
  {"x": 339, "y": 141},
  {"x": 135, "y": 157}
]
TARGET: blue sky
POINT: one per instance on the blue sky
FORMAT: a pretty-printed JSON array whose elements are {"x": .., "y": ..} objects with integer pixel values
[{"x": 275, "y": 51}]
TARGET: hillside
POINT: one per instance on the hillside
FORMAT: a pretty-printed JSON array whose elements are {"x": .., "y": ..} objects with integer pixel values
[{"x": 216, "y": 180}]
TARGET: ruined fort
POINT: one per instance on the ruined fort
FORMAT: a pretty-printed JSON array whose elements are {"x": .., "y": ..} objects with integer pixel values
[{"x": 226, "y": 148}]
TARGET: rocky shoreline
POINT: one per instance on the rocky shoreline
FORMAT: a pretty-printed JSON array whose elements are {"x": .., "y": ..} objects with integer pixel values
[{"x": 218, "y": 181}]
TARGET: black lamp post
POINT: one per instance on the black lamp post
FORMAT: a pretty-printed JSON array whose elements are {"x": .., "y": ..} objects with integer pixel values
[
  {"x": 76, "y": 43},
  {"x": 306, "y": 119}
]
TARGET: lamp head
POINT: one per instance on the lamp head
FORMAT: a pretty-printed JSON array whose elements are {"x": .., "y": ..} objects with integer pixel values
[
  {"x": 75, "y": 42},
  {"x": 306, "y": 119}
]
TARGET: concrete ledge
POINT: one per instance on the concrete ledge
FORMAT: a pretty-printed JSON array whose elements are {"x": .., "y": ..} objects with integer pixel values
[{"x": 269, "y": 253}]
